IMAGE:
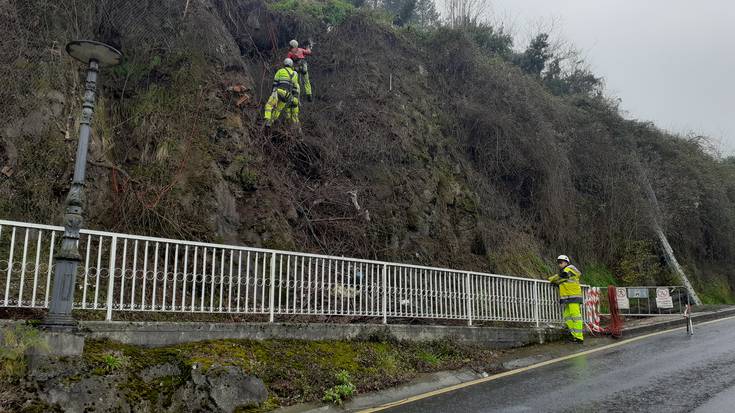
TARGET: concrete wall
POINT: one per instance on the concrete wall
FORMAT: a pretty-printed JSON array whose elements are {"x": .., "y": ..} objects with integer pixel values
[{"x": 167, "y": 333}]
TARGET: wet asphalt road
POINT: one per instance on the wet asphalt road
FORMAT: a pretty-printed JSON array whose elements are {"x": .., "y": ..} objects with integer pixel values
[{"x": 671, "y": 372}]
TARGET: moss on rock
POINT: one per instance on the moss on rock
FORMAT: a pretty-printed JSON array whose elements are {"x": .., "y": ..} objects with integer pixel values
[{"x": 294, "y": 371}]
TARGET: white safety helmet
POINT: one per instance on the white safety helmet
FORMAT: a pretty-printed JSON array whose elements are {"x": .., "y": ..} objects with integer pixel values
[
  {"x": 293, "y": 43},
  {"x": 563, "y": 258},
  {"x": 288, "y": 62}
]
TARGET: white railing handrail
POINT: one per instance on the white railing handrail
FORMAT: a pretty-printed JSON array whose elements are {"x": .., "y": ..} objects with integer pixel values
[
  {"x": 646, "y": 286},
  {"x": 257, "y": 249},
  {"x": 127, "y": 272}
]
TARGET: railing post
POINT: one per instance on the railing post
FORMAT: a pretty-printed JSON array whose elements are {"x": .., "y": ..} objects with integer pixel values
[
  {"x": 385, "y": 294},
  {"x": 111, "y": 274},
  {"x": 10, "y": 267},
  {"x": 467, "y": 287},
  {"x": 272, "y": 294},
  {"x": 537, "y": 304}
]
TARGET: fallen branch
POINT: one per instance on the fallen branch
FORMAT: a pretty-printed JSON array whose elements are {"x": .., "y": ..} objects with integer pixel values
[{"x": 114, "y": 167}]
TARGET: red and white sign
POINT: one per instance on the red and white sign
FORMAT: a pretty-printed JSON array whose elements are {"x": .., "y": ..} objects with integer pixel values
[{"x": 663, "y": 298}]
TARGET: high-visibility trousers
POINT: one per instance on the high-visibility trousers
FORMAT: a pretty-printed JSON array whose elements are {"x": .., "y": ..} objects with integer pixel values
[
  {"x": 304, "y": 70},
  {"x": 279, "y": 102},
  {"x": 573, "y": 319}
]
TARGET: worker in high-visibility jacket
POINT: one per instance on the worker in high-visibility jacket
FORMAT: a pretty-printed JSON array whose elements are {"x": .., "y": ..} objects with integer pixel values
[
  {"x": 570, "y": 296},
  {"x": 284, "y": 96}
]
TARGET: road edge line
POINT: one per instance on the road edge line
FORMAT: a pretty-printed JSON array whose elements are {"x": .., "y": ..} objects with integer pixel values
[{"x": 527, "y": 368}]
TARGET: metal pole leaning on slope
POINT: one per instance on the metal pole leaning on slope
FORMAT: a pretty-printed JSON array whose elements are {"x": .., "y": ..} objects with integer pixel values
[
  {"x": 658, "y": 229},
  {"x": 94, "y": 54}
]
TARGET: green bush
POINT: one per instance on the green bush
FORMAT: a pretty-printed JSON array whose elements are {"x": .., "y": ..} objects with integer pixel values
[
  {"x": 109, "y": 362},
  {"x": 429, "y": 358},
  {"x": 329, "y": 11},
  {"x": 716, "y": 290},
  {"x": 491, "y": 39},
  {"x": 342, "y": 391},
  {"x": 639, "y": 265},
  {"x": 112, "y": 362}
]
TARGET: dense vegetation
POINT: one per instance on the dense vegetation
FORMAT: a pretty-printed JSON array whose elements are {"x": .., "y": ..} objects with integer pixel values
[{"x": 465, "y": 151}]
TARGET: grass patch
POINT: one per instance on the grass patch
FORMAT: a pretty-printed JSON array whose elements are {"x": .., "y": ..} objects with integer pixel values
[
  {"x": 111, "y": 362},
  {"x": 429, "y": 358},
  {"x": 598, "y": 275},
  {"x": 716, "y": 291},
  {"x": 523, "y": 262},
  {"x": 16, "y": 341}
]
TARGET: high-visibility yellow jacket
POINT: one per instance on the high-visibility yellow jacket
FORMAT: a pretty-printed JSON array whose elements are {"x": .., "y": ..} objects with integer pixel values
[
  {"x": 570, "y": 289},
  {"x": 287, "y": 79}
]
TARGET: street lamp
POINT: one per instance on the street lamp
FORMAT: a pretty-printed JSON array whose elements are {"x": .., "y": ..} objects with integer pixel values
[{"x": 59, "y": 318}]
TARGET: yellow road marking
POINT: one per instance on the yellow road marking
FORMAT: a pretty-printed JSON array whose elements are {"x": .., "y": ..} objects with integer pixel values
[{"x": 522, "y": 369}]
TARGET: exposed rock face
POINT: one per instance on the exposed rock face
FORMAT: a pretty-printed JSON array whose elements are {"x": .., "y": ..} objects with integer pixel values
[
  {"x": 230, "y": 388},
  {"x": 96, "y": 393},
  {"x": 218, "y": 389}
]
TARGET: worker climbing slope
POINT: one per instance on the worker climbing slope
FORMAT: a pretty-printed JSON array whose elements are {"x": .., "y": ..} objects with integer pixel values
[
  {"x": 298, "y": 55},
  {"x": 570, "y": 296},
  {"x": 284, "y": 95}
]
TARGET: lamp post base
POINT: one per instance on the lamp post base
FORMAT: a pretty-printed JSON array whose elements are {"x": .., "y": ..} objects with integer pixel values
[
  {"x": 59, "y": 317},
  {"x": 56, "y": 344},
  {"x": 59, "y": 323}
]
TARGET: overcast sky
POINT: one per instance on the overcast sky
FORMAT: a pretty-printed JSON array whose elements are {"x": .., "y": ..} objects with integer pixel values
[{"x": 669, "y": 61}]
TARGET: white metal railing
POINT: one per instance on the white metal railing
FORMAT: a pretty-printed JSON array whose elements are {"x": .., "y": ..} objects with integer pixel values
[{"x": 121, "y": 272}]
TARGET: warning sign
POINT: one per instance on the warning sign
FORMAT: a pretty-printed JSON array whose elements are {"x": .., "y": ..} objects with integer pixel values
[
  {"x": 663, "y": 298},
  {"x": 622, "y": 297}
]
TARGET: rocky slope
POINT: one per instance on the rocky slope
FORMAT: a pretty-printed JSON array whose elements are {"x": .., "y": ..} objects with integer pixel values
[{"x": 423, "y": 147}]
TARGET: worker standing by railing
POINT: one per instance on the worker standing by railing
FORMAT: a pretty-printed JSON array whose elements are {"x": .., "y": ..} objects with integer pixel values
[{"x": 570, "y": 293}]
